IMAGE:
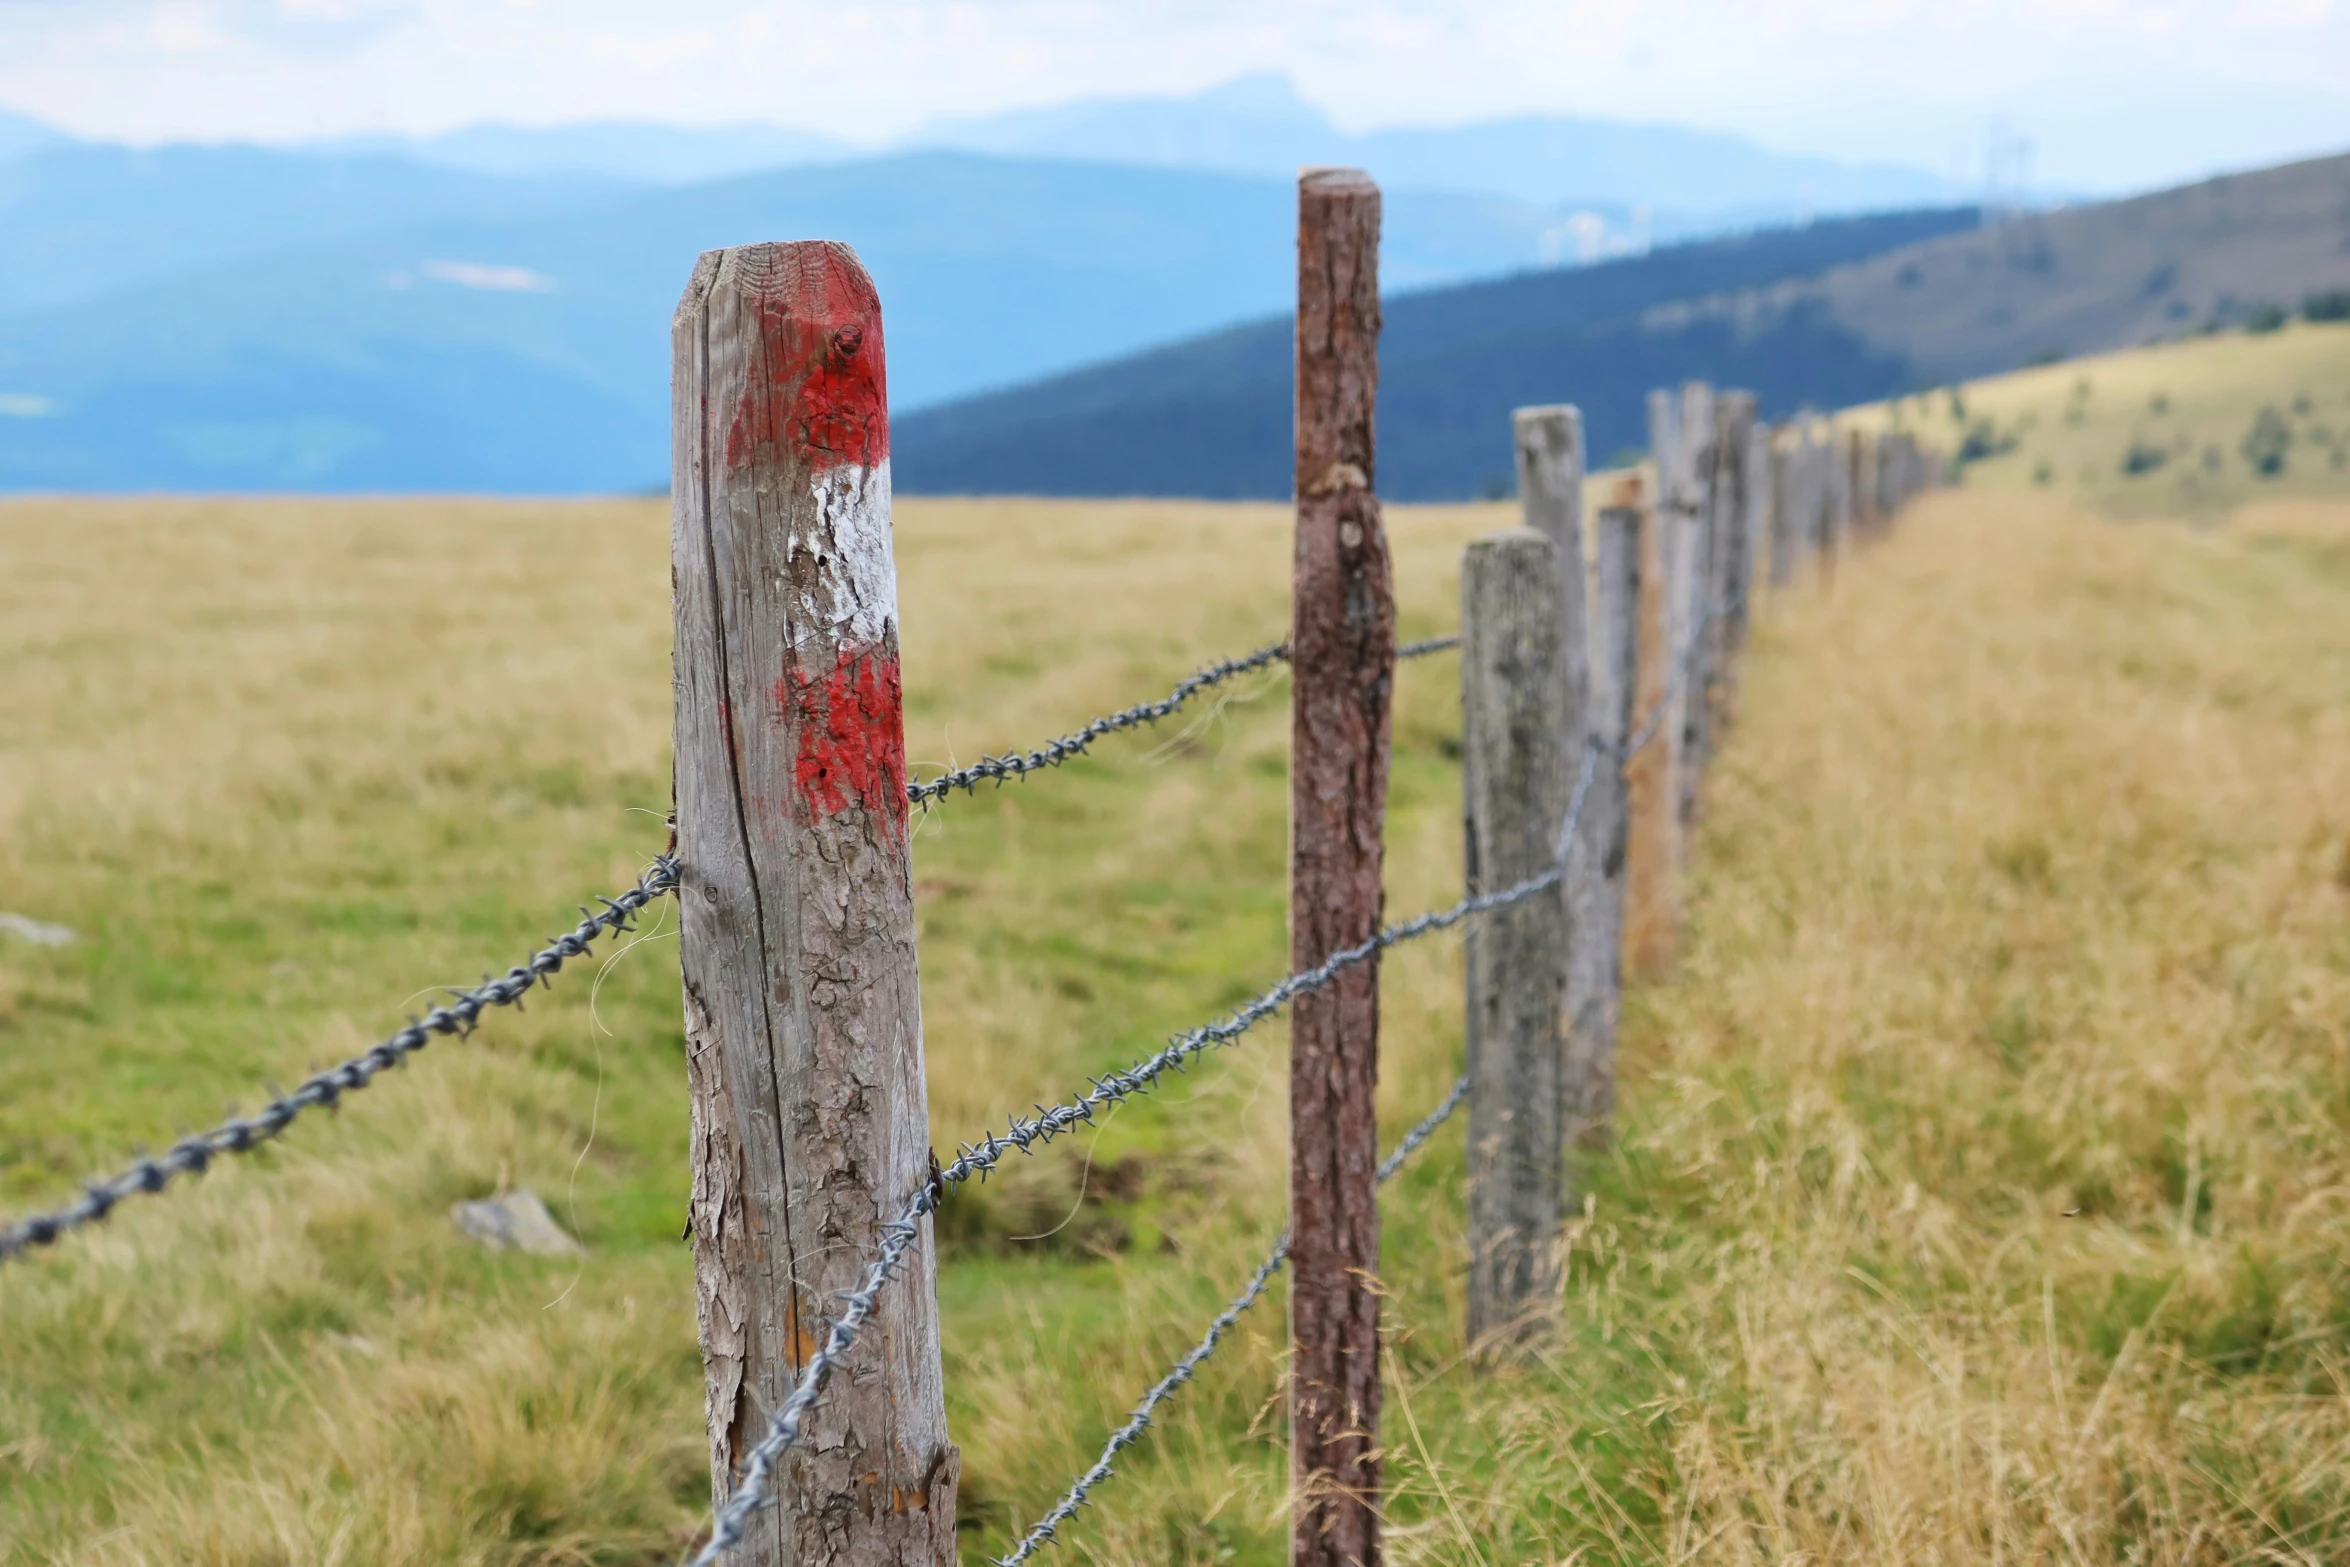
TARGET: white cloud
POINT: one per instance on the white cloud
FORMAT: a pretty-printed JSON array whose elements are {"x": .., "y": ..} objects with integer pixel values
[
  {"x": 1909, "y": 79},
  {"x": 24, "y": 405},
  {"x": 476, "y": 274}
]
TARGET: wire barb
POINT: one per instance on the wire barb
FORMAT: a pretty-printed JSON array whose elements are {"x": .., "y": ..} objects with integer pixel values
[{"x": 241, "y": 1134}]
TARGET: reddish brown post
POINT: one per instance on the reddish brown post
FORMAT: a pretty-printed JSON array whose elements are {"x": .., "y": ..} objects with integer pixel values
[
  {"x": 1342, "y": 656},
  {"x": 803, "y": 1016}
]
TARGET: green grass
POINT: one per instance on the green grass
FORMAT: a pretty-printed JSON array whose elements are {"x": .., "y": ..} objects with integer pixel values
[{"x": 1977, "y": 1193}]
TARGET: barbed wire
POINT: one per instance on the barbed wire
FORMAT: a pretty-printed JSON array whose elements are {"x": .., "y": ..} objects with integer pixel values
[
  {"x": 1138, "y": 1422},
  {"x": 240, "y": 1134},
  {"x": 1019, "y": 764},
  {"x": 1052, "y": 753},
  {"x": 1023, "y": 1133}
]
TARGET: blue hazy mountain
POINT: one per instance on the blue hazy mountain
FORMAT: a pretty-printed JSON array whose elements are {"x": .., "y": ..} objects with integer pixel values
[
  {"x": 489, "y": 308},
  {"x": 613, "y": 149},
  {"x": 79, "y": 220},
  {"x": 532, "y": 352},
  {"x": 1259, "y": 125}
]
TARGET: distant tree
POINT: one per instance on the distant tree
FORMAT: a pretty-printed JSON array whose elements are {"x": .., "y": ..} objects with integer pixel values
[
  {"x": 2265, "y": 318},
  {"x": 1983, "y": 439},
  {"x": 2266, "y": 443},
  {"x": 2332, "y": 304},
  {"x": 2159, "y": 404},
  {"x": 2143, "y": 457}
]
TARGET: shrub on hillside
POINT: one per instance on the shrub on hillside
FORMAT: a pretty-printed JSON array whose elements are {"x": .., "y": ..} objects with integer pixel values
[
  {"x": 2143, "y": 457},
  {"x": 2265, "y": 318},
  {"x": 2267, "y": 442},
  {"x": 1983, "y": 439}
]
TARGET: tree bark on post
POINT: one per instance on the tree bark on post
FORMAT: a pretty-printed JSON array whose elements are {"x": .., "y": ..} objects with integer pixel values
[
  {"x": 803, "y": 1015},
  {"x": 1342, "y": 657},
  {"x": 1587, "y": 1089},
  {"x": 1514, "y": 791}
]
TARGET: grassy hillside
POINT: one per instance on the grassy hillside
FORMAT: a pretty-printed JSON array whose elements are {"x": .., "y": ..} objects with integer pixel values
[
  {"x": 1978, "y": 1195},
  {"x": 2081, "y": 280},
  {"x": 2193, "y": 428}
]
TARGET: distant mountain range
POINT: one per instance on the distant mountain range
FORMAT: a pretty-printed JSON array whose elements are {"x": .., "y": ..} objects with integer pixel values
[
  {"x": 514, "y": 334},
  {"x": 1836, "y": 313},
  {"x": 1213, "y": 417},
  {"x": 488, "y": 308},
  {"x": 1254, "y": 125}
]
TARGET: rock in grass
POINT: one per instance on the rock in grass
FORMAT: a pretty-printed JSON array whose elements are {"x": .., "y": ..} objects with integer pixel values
[
  {"x": 38, "y": 932},
  {"x": 516, "y": 1221}
]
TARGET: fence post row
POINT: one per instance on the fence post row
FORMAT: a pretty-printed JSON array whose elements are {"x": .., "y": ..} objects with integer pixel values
[
  {"x": 1516, "y": 684},
  {"x": 1342, "y": 655},
  {"x": 803, "y": 1015}
]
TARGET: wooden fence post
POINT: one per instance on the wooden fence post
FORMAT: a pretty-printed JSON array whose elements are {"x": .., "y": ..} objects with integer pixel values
[
  {"x": 1730, "y": 528},
  {"x": 1761, "y": 506},
  {"x": 803, "y": 1015},
  {"x": 1691, "y": 565},
  {"x": 1595, "y": 973},
  {"x": 1784, "y": 451},
  {"x": 1550, "y": 489},
  {"x": 1342, "y": 656},
  {"x": 1515, "y": 784},
  {"x": 1652, "y": 774},
  {"x": 1836, "y": 512}
]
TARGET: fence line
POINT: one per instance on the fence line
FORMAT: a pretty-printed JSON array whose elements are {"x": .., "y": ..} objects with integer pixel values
[{"x": 241, "y": 1134}]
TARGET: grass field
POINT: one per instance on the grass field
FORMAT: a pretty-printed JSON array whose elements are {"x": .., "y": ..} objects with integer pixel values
[{"x": 1983, "y": 1183}]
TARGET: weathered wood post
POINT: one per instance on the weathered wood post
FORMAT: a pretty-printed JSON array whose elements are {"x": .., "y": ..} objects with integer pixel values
[
  {"x": 1692, "y": 567},
  {"x": 1785, "y": 455},
  {"x": 1729, "y": 529},
  {"x": 1836, "y": 511},
  {"x": 1342, "y": 656},
  {"x": 803, "y": 1016},
  {"x": 1596, "y": 955},
  {"x": 1515, "y": 784},
  {"x": 1550, "y": 490},
  {"x": 1652, "y": 773},
  {"x": 1761, "y": 506}
]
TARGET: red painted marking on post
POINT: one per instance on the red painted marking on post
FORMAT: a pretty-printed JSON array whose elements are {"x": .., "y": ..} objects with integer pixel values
[
  {"x": 819, "y": 392},
  {"x": 852, "y": 733}
]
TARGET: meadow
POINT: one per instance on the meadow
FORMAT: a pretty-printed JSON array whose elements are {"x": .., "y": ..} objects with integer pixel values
[{"x": 1981, "y": 1189}]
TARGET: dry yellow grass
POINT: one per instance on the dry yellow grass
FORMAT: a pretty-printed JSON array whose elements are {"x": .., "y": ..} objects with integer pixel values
[{"x": 1984, "y": 1180}]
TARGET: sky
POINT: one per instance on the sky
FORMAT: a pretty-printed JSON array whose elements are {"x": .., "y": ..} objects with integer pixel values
[{"x": 2103, "y": 95}]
